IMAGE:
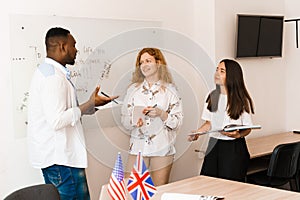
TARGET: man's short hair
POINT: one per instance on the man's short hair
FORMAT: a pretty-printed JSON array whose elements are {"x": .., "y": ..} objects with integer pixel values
[{"x": 56, "y": 32}]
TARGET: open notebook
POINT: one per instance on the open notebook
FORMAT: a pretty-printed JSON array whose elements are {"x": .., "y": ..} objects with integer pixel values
[
  {"x": 180, "y": 196},
  {"x": 228, "y": 128}
]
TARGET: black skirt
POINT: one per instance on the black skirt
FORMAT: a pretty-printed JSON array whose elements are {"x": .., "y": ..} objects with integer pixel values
[{"x": 226, "y": 159}]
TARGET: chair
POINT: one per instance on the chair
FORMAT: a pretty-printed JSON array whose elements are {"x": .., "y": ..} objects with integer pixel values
[
  {"x": 282, "y": 167},
  {"x": 297, "y": 176},
  {"x": 42, "y": 191}
]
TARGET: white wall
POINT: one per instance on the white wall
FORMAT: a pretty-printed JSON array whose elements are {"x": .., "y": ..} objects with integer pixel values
[
  {"x": 265, "y": 78},
  {"x": 292, "y": 66},
  {"x": 195, "y": 19}
]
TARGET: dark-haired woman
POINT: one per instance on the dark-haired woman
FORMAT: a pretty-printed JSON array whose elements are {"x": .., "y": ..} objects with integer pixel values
[{"x": 227, "y": 155}]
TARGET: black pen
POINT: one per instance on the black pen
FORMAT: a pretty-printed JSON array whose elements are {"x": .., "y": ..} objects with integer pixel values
[
  {"x": 149, "y": 110},
  {"x": 109, "y": 97}
]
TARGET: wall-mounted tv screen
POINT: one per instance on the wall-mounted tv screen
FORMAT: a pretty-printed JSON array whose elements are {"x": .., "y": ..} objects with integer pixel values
[{"x": 259, "y": 36}]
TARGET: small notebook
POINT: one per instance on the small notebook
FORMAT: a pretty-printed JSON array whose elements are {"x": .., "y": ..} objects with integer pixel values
[{"x": 137, "y": 114}]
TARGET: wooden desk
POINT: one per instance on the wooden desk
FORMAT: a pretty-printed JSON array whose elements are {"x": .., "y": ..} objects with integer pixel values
[
  {"x": 265, "y": 145},
  {"x": 261, "y": 148},
  {"x": 204, "y": 185}
]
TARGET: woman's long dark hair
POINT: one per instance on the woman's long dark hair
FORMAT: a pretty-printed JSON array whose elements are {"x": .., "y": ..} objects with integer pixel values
[{"x": 238, "y": 97}]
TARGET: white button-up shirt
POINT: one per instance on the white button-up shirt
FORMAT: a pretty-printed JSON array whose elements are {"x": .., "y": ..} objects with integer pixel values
[
  {"x": 55, "y": 133},
  {"x": 155, "y": 137}
]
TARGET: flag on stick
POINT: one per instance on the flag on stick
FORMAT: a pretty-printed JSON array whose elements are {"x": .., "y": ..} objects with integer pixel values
[
  {"x": 116, "y": 186},
  {"x": 140, "y": 185}
]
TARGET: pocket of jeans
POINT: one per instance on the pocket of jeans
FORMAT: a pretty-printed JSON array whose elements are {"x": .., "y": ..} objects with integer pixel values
[{"x": 54, "y": 176}]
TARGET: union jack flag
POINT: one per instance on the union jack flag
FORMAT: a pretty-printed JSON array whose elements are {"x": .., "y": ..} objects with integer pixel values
[
  {"x": 116, "y": 186},
  {"x": 140, "y": 185}
]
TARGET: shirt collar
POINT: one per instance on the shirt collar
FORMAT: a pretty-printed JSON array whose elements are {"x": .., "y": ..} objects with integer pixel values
[
  {"x": 57, "y": 65},
  {"x": 155, "y": 85}
]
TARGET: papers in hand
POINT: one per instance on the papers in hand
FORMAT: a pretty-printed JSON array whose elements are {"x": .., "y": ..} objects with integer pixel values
[
  {"x": 178, "y": 196},
  {"x": 229, "y": 128},
  {"x": 203, "y": 133},
  {"x": 137, "y": 114}
]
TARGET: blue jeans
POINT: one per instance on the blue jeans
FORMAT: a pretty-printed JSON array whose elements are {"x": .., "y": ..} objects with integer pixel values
[{"x": 71, "y": 182}]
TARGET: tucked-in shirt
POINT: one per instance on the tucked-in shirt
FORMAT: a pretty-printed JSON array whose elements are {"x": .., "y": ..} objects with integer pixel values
[
  {"x": 55, "y": 133},
  {"x": 220, "y": 118},
  {"x": 155, "y": 137}
]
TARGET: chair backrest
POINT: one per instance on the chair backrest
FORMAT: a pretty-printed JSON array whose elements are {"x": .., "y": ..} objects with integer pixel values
[
  {"x": 42, "y": 191},
  {"x": 284, "y": 160}
]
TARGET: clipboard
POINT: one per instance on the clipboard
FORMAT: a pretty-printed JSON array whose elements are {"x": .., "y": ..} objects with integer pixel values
[{"x": 203, "y": 133}]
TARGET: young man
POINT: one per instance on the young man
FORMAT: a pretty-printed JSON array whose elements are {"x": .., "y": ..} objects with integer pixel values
[{"x": 55, "y": 133}]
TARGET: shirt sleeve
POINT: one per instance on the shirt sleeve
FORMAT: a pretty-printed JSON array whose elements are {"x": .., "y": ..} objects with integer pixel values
[
  {"x": 246, "y": 118},
  {"x": 54, "y": 100},
  {"x": 175, "y": 113},
  {"x": 127, "y": 109}
]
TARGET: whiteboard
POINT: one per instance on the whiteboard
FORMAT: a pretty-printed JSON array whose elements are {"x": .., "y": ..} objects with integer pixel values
[{"x": 27, "y": 35}]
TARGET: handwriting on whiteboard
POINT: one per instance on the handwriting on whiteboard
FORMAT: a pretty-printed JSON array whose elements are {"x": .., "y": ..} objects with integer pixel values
[{"x": 106, "y": 70}]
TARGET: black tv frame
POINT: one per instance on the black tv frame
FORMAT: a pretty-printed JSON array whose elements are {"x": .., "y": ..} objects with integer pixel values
[{"x": 261, "y": 37}]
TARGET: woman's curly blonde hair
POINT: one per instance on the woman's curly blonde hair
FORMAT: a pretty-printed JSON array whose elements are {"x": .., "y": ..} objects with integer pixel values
[{"x": 163, "y": 73}]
